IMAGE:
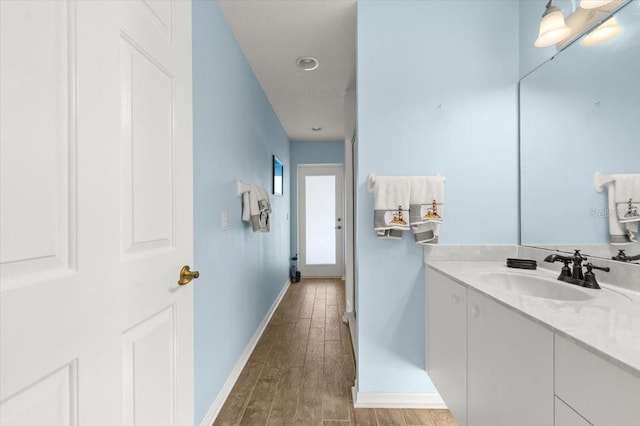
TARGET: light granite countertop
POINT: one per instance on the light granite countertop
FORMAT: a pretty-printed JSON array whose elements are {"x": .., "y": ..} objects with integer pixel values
[{"x": 607, "y": 324}]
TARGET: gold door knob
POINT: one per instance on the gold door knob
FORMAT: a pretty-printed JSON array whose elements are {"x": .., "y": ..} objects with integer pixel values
[{"x": 186, "y": 275}]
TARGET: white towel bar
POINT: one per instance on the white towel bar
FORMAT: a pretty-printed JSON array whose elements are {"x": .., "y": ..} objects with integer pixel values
[
  {"x": 371, "y": 181},
  {"x": 602, "y": 180},
  {"x": 241, "y": 188}
]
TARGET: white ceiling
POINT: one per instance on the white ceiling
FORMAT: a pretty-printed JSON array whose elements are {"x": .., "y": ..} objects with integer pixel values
[{"x": 273, "y": 34}]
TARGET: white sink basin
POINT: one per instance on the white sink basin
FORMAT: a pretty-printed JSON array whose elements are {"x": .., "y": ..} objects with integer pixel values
[{"x": 530, "y": 285}]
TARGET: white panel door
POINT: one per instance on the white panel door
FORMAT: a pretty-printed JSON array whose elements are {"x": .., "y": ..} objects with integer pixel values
[
  {"x": 320, "y": 224},
  {"x": 96, "y": 213}
]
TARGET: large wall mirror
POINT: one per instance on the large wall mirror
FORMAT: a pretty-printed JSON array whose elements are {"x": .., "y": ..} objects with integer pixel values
[{"x": 580, "y": 115}]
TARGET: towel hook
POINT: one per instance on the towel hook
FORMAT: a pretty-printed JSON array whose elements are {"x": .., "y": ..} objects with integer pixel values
[
  {"x": 371, "y": 182},
  {"x": 241, "y": 188}
]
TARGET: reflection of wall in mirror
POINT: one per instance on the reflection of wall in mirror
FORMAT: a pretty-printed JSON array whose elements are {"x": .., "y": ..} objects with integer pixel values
[{"x": 580, "y": 114}]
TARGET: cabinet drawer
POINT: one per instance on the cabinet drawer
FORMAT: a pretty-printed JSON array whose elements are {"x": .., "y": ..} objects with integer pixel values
[{"x": 601, "y": 392}]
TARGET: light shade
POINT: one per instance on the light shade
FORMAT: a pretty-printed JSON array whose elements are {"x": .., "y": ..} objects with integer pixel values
[
  {"x": 603, "y": 32},
  {"x": 593, "y": 4},
  {"x": 552, "y": 27}
]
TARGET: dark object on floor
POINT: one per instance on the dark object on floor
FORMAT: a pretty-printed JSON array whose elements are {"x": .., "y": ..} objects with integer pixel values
[{"x": 294, "y": 274}]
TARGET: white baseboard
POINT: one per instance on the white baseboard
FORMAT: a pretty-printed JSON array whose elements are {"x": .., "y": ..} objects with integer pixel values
[
  {"x": 397, "y": 400},
  {"x": 218, "y": 402}
]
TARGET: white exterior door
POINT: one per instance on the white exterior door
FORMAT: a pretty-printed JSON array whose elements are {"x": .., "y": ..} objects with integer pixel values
[
  {"x": 96, "y": 213},
  {"x": 320, "y": 224}
]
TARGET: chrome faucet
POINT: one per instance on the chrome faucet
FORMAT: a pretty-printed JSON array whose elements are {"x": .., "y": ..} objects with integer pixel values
[{"x": 575, "y": 275}]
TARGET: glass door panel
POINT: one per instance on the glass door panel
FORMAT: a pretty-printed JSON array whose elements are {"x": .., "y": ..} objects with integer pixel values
[{"x": 320, "y": 208}]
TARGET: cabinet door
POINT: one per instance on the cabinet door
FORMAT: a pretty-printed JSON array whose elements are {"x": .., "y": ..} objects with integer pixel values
[
  {"x": 447, "y": 341},
  {"x": 566, "y": 416},
  {"x": 603, "y": 393},
  {"x": 510, "y": 367}
]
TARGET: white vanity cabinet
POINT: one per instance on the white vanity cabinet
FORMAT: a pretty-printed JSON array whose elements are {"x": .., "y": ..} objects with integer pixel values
[
  {"x": 601, "y": 392},
  {"x": 491, "y": 365},
  {"x": 447, "y": 343},
  {"x": 510, "y": 366},
  {"x": 506, "y": 358}
]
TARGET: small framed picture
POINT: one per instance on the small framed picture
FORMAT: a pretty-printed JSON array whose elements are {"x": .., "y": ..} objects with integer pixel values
[{"x": 278, "y": 177}]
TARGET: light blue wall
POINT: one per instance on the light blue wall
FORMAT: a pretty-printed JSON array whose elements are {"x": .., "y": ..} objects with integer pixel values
[
  {"x": 235, "y": 134},
  {"x": 309, "y": 152},
  {"x": 437, "y": 93}
]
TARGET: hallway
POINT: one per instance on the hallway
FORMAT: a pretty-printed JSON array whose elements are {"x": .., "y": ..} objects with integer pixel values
[{"x": 302, "y": 369}]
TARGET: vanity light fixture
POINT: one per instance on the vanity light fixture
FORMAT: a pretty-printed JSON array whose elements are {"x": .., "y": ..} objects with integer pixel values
[
  {"x": 307, "y": 63},
  {"x": 552, "y": 27},
  {"x": 603, "y": 32},
  {"x": 593, "y": 4}
]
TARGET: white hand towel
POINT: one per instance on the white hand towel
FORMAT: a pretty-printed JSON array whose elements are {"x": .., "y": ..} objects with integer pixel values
[
  {"x": 627, "y": 196},
  {"x": 265, "y": 209},
  {"x": 246, "y": 209},
  {"x": 626, "y": 189},
  {"x": 263, "y": 200},
  {"x": 427, "y": 199},
  {"x": 389, "y": 234},
  {"x": 259, "y": 208},
  {"x": 426, "y": 233},
  {"x": 427, "y": 208},
  {"x": 391, "y": 203}
]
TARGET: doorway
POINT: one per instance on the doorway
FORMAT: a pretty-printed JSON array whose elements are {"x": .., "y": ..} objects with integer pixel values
[{"x": 321, "y": 223}]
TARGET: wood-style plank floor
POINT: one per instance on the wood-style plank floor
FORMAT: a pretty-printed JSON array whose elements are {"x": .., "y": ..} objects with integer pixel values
[{"x": 302, "y": 369}]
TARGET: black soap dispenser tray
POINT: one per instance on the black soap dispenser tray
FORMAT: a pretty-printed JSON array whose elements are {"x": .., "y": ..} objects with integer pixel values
[{"x": 521, "y": 263}]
